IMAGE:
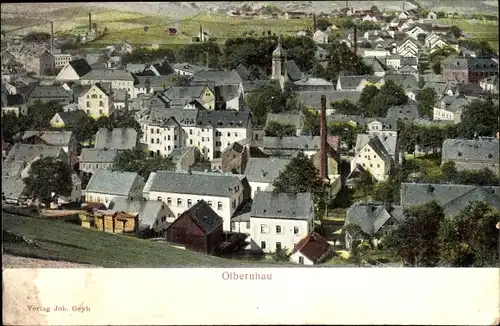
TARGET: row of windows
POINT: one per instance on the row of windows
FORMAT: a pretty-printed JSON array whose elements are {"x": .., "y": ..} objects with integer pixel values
[
  {"x": 97, "y": 165},
  {"x": 264, "y": 229},
  {"x": 94, "y": 96},
  {"x": 100, "y": 112},
  {"x": 189, "y": 203},
  {"x": 101, "y": 103}
]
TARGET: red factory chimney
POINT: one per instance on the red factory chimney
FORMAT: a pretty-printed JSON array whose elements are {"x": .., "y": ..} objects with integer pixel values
[
  {"x": 323, "y": 160},
  {"x": 51, "y": 37},
  {"x": 90, "y": 21}
]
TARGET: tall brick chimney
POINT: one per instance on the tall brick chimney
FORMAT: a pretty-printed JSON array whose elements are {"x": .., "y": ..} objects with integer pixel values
[
  {"x": 355, "y": 40},
  {"x": 51, "y": 37},
  {"x": 314, "y": 23},
  {"x": 90, "y": 21},
  {"x": 323, "y": 160}
]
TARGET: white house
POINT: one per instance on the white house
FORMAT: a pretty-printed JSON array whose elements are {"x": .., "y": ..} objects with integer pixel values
[
  {"x": 61, "y": 59},
  {"x": 96, "y": 101},
  {"x": 320, "y": 37},
  {"x": 382, "y": 126},
  {"x": 105, "y": 186},
  {"x": 375, "y": 53},
  {"x": 489, "y": 84},
  {"x": 415, "y": 31},
  {"x": 16, "y": 109},
  {"x": 210, "y": 131},
  {"x": 375, "y": 153},
  {"x": 180, "y": 190},
  {"x": 74, "y": 70},
  {"x": 450, "y": 108},
  {"x": 261, "y": 172},
  {"x": 278, "y": 221},
  {"x": 76, "y": 191}
]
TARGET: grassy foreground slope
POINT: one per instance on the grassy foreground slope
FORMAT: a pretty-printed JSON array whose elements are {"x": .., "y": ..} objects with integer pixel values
[{"x": 64, "y": 241}]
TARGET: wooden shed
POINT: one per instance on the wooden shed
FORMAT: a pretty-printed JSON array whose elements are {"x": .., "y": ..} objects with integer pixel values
[
  {"x": 115, "y": 222},
  {"x": 198, "y": 229}
]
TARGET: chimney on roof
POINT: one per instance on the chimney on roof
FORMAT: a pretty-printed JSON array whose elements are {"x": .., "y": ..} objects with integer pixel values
[
  {"x": 51, "y": 37},
  {"x": 90, "y": 21},
  {"x": 323, "y": 165}
]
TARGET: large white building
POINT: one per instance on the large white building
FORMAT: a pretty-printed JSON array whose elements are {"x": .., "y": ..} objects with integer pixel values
[
  {"x": 106, "y": 185},
  {"x": 278, "y": 221},
  {"x": 96, "y": 101},
  {"x": 181, "y": 190},
  {"x": 210, "y": 131},
  {"x": 119, "y": 79}
]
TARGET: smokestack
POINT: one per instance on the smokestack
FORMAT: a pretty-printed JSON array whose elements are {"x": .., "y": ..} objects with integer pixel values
[
  {"x": 403, "y": 6},
  {"x": 323, "y": 165},
  {"x": 207, "y": 59},
  {"x": 314, "y": 23},
  {"x": 90, "y": 21},
  {"x": 355, "y": 39},
  {"x": 51, "y": 37}
]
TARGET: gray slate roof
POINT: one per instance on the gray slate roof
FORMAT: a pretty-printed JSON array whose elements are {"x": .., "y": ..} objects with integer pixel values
[
  {"x": 371, "y": 217},
  {"x": 184, "y": 92},
  {"x": 205, "y": 216},
  {"x": 231, "y": 119},
  {"x": 112, "y": 182},
  {"x": 80, "y": 66},
  {"x": 312, "y": 99},
  {"x": 407, "y": 82},
  {"x": 194, "y": 184},
  {"x": 56, "y": 138},
  {"x": 292, "y": 206},
  {"x": 293, "y": 70},
  {"x": 26, "y": 152},
  {"x": 384, "y": 146},
  {"x": 294, "y": 142},
  {"x": 71, "y": 117},
  {"x": 264, "y": 169},
  {"x": 13, "y": 186},
  {"x": 118, "y": 138},
  {"x": 219, "y": 77},
  {"x": 352, "y": 82},
  {"x": 148, "y": 210},
  {"x": 485, "y": 151},
  {"x": 97, "y": 155},
  {"x": 51, "y": 92},
  {"x": 109, "y": 75},
  {"x": 406, "y": 112},
  {"x": 286, "y": 118},
  {"x": 453, "y": 197}
]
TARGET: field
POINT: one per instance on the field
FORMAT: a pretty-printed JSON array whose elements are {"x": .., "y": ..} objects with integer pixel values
[
  {"x": 480, "y": 30},
  {"x": 64, "y": 241},
  {"x": 217, "y": 26}
]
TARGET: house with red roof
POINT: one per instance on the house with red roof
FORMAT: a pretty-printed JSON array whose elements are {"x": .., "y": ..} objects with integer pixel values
[{"x": 311, "y": 250}]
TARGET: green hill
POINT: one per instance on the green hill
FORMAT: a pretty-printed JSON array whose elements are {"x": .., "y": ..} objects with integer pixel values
[{"x": 64, "y": 241}]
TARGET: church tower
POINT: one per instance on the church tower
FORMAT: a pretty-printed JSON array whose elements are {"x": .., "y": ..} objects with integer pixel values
[{"x": 279, "y": 60}]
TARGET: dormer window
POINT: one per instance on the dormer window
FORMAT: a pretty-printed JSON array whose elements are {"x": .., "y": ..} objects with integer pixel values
[
  {"x": 490, "y": 155},
  {"x": 459, "y": 154}
]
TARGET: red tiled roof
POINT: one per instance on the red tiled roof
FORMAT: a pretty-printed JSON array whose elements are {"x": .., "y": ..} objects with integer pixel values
[
  {"x": 89, "y": 207},
  {"x": 313, "y": 247}
]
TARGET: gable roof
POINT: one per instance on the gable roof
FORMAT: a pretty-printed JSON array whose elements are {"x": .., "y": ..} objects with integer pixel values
[
  {"x": 118, "y": 138},
  {"x": 242, "y": 71},
  {"x": 313, "y": 246},
  {"x": 406, "y": 112},
  {"x": 223, "y": 118},
  {"x": 264, "y": 169},
  {"x": 296, "y": 120},
  {"x": 26, "y": 152},
  {"x": 80, "y": 66},
  {"x": 476, "y": 150},
  {"x": 204, "y": 216},
  {"x": 108, "y": 74},
  {"x": 384, "y": 147},
  {"x": 60, "y": 138},
  {"x": 98, "y": 155},
  {"x": 292, "y": 206},
  {"x": 293, "y": 70},
  {"x": 371, "y": 217},
  {"x": 13, "y": 186},
  {"x": 312, "y": 99},
  {"x": 147, "y": 210},
  {"x": 453, "y": 197},
  {"x": 219, "y": 77},
  {"x": 184, "y": 92},
  {"x": 50, "y": 92},
  {"x": 352, "y": 82},
  {"x": 71, "y": 117},
  {"x": 195, "y": 183},
  {"x": 112, "y": 182}
]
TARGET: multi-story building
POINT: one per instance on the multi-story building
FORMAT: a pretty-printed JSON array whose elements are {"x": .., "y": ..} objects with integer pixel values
[
  {"x": 467, "y": 70},
  {"x": 61, "y": 60},
  {"x": 119, "y": 79},
  {"x": 210, "y": 131},
  {"x": 96, "y": 101},
  {"x": 181, "y": 190}
]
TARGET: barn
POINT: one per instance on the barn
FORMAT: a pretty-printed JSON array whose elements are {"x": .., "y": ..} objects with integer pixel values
[{"x": 198, "y": 229}]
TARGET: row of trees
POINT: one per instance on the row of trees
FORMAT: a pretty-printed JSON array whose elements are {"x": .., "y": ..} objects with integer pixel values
[{"x": 427, "y": 238}]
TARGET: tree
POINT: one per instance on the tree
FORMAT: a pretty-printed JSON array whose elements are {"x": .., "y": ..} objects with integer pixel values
[
  {"x": 415, "y": 240},
  {"x": 478, "y": 119},
  {"x": 311, "y": 122},
  {"x": 276, "y": 129},
  {"x": 374, "y": 9},
  {"x": 138, "y": 160},
  {"x": 342, "y": 59},
  {"x": 347, "y": 132},
  {"x": 11, "y": 126},
  {"x": 389, "y": 95},
  {"x": 323, "y": 24},
  {"x": 264, "y": 99},
  {"x": 426, "y": 99},
  {"x": 46, "y": 176},
  {"x": 36, "y": 37},
  {"x": 455, "y": 31},
  {"x": 85, "y": 129},
  {"x": 449, "y": 171},
  {"x": 365, "y": 183},
  {"x": 300, "y": 175},
  {"x": 436, "y": 68},
  {"x": 345, "y": 107},
  {"x": 367, "y": 95},
  {"x": 40, "y": 114},
  {"x": 470, "y": 238}
]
